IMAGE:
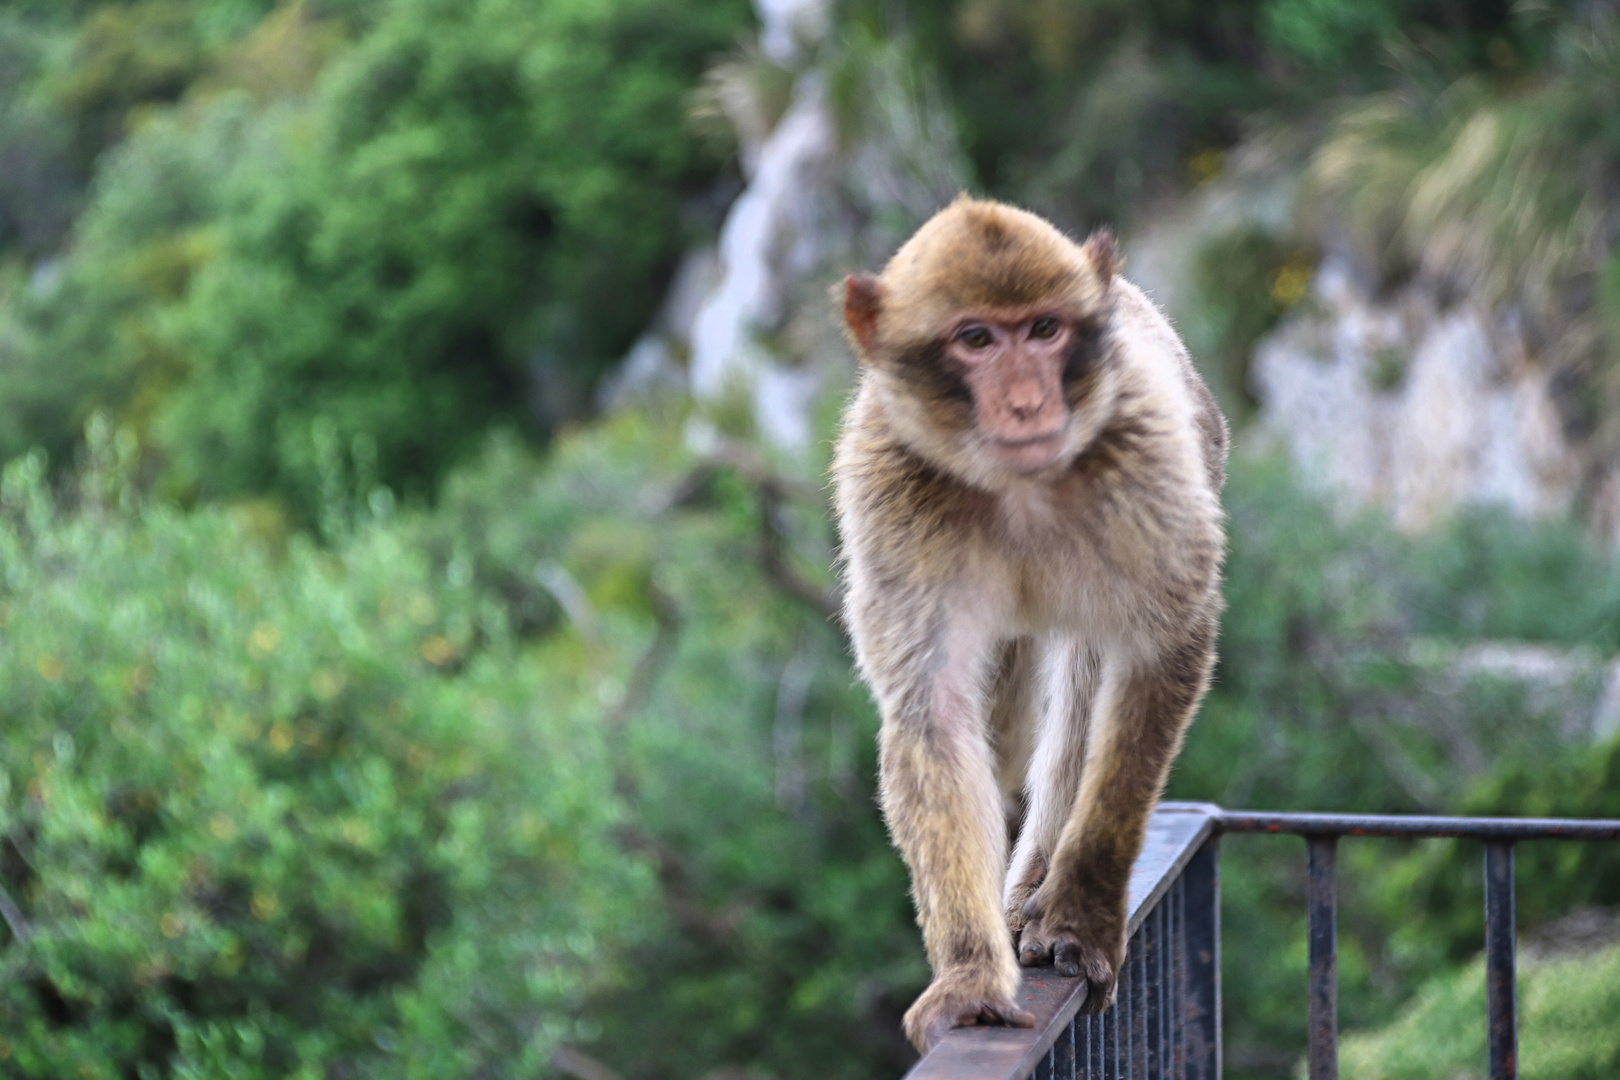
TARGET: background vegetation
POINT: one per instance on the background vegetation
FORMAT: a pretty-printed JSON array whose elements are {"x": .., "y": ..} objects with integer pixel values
[{"x": 370, "y": 705}]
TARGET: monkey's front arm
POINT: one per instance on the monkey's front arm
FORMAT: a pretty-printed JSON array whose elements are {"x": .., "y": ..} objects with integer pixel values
[{"x": 943, "y": 807}]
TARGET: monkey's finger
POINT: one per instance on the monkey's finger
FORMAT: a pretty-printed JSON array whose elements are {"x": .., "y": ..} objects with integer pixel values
[
  {"x": 1009, "y": 1014},
  {"x": 975, "y": 1014},
  {"x": 1068, "y": 959},
  {"x": 1033, "y": 952}
]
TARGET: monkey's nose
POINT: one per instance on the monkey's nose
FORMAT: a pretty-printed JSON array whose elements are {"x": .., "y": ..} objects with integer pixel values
[{"x": 1027, "y": 408}]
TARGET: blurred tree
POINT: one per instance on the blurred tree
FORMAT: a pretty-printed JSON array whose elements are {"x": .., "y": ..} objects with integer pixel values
[
  {"x": 468, "y": 216},
  {"x": 1094, "y": 111},
  {"x": 281, "y": 813},
  {"x": 473, "y": 220}
]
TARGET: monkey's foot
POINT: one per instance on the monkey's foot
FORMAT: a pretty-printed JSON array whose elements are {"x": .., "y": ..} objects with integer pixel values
[
  {"x": 1019, "y": 892},
  {"x": 955, "y": 1000},
  {"x": 1092, "y": 949}
]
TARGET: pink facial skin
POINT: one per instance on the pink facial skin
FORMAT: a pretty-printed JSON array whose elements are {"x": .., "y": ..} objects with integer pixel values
[{"x": 1014, "y": 368}]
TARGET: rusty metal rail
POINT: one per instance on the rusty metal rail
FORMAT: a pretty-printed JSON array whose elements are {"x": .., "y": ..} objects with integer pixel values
[{"x": 1165, "y": 1023}]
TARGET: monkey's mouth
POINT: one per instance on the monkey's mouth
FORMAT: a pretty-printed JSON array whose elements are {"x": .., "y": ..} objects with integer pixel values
[{"x": 1030, "y": 452}]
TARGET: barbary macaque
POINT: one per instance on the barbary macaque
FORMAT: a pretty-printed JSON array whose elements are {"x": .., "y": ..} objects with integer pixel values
[{"x": 1028, "y": 486}]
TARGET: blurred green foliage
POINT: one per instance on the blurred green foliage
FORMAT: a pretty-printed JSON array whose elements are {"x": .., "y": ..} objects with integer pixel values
[
  {"x": 268, "y": 809},
  {"x": 405, "y": 226},
  {"x": 1566, "y": 1006},
  {"x": 784, "y": 942},
  {"x": 1094, "y": 111},
  {"x": 1245, "y": 280}
]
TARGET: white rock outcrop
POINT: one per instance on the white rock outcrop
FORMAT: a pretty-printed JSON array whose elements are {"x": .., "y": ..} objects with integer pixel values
[
  {"x": 1414, "y": 406},
  {"x": 770, "y": 242}
]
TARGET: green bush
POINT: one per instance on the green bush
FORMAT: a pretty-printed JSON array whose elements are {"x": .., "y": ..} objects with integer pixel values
[
  {"x": 281, "y": 812},
  {"x": 463, "y": 214},
  {"x": 1567, "y": 1008},
  {"x": 1244, "y": 281}
]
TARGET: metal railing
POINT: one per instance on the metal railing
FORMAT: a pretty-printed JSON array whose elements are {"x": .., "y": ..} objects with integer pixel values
[{"x": 1165, "y": 1023}]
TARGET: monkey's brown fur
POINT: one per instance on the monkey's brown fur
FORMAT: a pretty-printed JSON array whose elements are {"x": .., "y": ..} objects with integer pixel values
[{"x": 1047, "y": 627}]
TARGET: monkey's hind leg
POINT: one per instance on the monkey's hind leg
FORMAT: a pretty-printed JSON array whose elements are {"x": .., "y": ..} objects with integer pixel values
[
  {"x": 1063, "y": 684},
  {"x": 1078, "y": 916},
  {"x": 945, "y": 812}
]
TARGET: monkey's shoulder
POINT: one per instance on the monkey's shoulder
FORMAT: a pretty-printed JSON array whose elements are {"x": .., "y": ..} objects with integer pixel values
[{"x": 1165, "y": 372}]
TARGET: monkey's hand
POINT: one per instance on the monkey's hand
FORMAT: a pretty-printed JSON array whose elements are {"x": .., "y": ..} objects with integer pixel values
[
  {"x": 1078, "y": 937},
  {"x": 960, "y": 997}
]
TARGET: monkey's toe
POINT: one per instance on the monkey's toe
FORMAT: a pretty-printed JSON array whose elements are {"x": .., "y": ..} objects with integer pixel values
[
  {"x": 1073, "y": 959},
  {"x": 1045, "y": 940}
]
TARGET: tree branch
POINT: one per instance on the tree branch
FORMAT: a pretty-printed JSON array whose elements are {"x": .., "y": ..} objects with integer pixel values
[
  {"x": 20, "y": 929},
  {"x": 579, "y": 1065},
  {"x": 772, "y": 490}
]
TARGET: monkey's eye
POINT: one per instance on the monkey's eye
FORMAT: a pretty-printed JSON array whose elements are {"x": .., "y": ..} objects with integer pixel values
[
  {"x": 975, "y": 337},
  {"x": 1044, "y": 328}
]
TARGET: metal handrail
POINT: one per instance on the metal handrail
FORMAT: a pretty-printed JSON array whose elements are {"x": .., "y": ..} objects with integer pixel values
[{"x": 1166, "y": 1019}]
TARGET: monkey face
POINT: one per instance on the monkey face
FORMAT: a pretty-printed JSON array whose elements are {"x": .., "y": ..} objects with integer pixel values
[
  {"x": 986, "y": 338},
  {"x": 1013, "y": 369}
]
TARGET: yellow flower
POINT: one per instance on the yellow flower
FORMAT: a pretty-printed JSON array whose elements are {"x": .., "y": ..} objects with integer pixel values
[
  {"x": 1288, "y": 287},
  {"x": 1206, "y": 166},
  {"x": 438, "y": 651},
  {"x": 263, "y": 640}
]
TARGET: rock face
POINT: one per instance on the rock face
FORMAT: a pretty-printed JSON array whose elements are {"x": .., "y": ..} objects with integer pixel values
[
  {"x": 754, "y": 322},
  {"x": 1414, "y": 406},
  {"x": 771, "y": 240}
]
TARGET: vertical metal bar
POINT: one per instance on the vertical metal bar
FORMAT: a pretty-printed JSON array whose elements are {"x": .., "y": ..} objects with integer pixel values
[
  {"x": 1155, "y": 980},
  {"x": 1161, "y": 991},
  {"x": 1043, "y": 1068},
  {"x": 1322, "y": 1051},
  {"x": 1095, "y": 1035},
  {"x": 1105, "y": 1069},
  {"x": 1123, "y": 1028},
  {"x": 1136, "y": 965},
  {"x": 1502, "y": 1025},
  {"x": 1113, "y": 1068},
  {"x": 1142, "y": 1022},
  {"x": 1201, "y": 1018},
  {"x": 1063, "y": 1054},
  {"x": 1178, "y": 976}
]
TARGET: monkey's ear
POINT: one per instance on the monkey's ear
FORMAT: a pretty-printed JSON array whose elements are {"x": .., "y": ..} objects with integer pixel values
[
  {"x": 1103, "y": 254},
  {"x": 863, "y": 299}
]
